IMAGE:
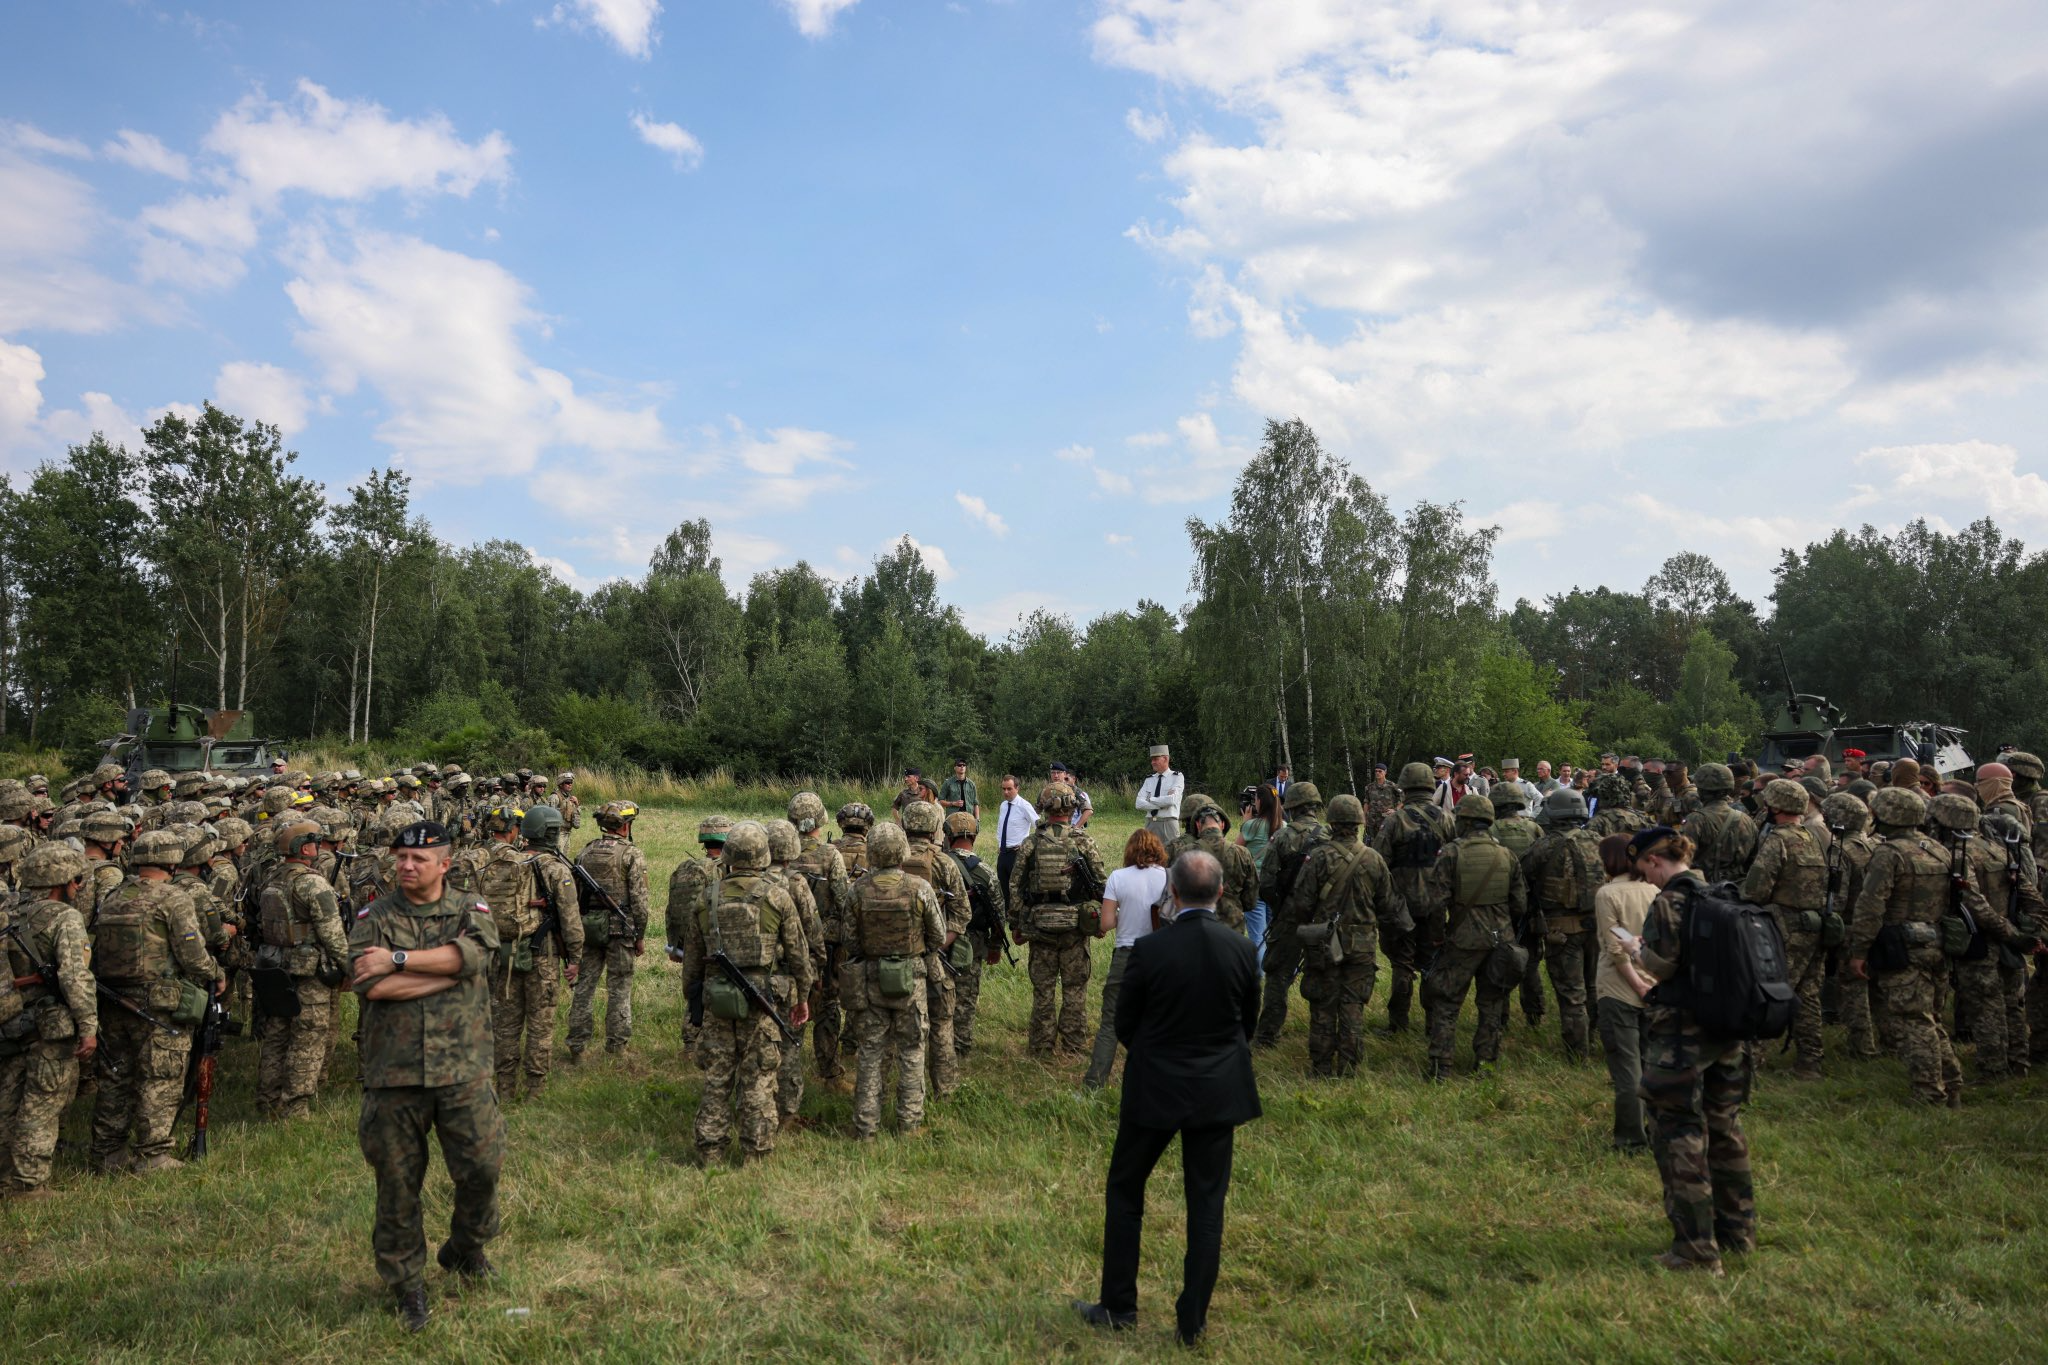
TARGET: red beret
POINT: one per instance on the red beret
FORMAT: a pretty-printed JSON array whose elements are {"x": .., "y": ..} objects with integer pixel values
[{"x": 1854, "y": 753}]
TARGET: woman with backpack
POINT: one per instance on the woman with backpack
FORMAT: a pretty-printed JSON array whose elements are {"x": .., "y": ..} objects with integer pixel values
[{"x": 1694, "y": 1084}]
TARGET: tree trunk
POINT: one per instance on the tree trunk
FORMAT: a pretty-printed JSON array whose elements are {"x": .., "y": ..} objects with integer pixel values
[
  {"x": 355, "y": 666},
  {"x": 1280, "y": 710},
  {"x": 1308, "y": 684},
  {"x": 370, "y": 662},
  {"x": 220, "y": 672}
]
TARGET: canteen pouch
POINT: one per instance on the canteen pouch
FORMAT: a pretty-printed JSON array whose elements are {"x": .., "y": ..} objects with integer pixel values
[
  {"x": 1058, "y": 919},
  {"x": 1955, "y": 936},
  {"x": 896, "y": 977},
  {"x": 1089, "y": 918},
  {"x": 1506, "y": 965},
  {"x": 16, "y": 1033},
  {"x": 723, "y": 999},
  {"x": 1803, "y": 921},
  {"x": 522, "y": 954},
  {"x": 1321, "y": 941},
  {"x": 961, "y": 954},
  {"x": 1833, "y": 931},
  {"x": 191, "y": 1006},
  {"x": 597, "y": 930}
]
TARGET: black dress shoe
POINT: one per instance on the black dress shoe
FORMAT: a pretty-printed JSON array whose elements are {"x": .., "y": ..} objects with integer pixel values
[
  {"x": 1189, "y": 1337},
  {"x": 412, "y": 1310},
  {"x": 1095, "y": 1315}
]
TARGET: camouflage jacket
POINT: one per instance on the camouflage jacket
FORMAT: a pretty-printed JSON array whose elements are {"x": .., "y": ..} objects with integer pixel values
[
  {"x": 685, "y": 884},
  {"x": 1286, "y": 857},
  {"x": 739, "y": 897},
  {"x": 1906, "y": 882},
  {"x": 1240, "y": 879},
  {"x": 56, "y": 931},
  {"x": 618, "y": 866},
  {"x": 1723, "y": 838},
  {"x": 820, "y": 865},
  {"x": 1409, "y": 841},
  {"x": 945, "y": 880},
  {"x": 792, "y": 881},
  {"x": 555, "y": 884},
  {"x": 1790, "y": 871},
  {"x": 436, "y": 1040}
]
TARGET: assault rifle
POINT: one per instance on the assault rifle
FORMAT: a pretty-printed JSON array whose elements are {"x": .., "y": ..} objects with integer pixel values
[
  {"x": 45, "y": 974},
  {"x": 1959, "y": 882},
  {"x": 587, "y": 889},
  {"x": 199, "y": 1073},
  {"x": 755, "y": 997}
]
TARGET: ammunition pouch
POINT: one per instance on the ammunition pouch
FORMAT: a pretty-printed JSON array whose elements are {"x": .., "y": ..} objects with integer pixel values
[
  {"x": 597, "y": 930},
  {"x": 961, "y": 954},
  {"x": 1058, "y": 919},
  {"x": 723, "y": 999},
  {"x": 1832, "y": 930},
  {"x": 1089, "y": 919},
  {"x": 191, "y": 1007},
  {"x": 1321, "y": 944},
  {"x": 522, "y": 954},
  {"x": 1955, "y": 936},
  {"x": 17, "y": 1033},
  {"x": 1802, "y": 921},
  {"x": 896, "y": 977}
]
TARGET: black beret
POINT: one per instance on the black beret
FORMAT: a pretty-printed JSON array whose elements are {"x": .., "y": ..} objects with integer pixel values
[
  {"x": 423, "y": 834},
  {"x": 1645, "y": 837}
]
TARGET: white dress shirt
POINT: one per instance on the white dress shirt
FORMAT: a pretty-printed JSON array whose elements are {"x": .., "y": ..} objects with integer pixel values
[
  {"x": 1159, "y": 795},
  {"x": 1014, "y": 819}
]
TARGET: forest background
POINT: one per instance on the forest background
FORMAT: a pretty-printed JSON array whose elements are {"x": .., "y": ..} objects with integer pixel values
[{"x": 1325, "y": 628}]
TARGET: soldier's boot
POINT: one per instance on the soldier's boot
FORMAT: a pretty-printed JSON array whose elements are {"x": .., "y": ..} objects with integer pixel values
[
  {"x": 114, "y": 1163},
  {"x": 474, "y": 1266},
  {"x": 24, "y": 1192},
  {"x": 412, "y": 1310},
  {"x": 159, "y": 1163},
  {"x": 709, "y": 1156},
  {"x": 1671, "y": 1260},
  {"x": 1398, "y": 998},
  {"x": 1436, "y": 1071},
  {"x": 574, "y": 1056}
]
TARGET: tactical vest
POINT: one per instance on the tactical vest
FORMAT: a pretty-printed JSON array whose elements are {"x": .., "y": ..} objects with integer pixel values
[
  {"x": 1049, "y": 876},
  {"x": 1802, "y": 876},
  {"x": 505, "y": 884},
  {"x": 1571, "y": 876},
  {"x": 129, "y": 943},
  {"x": 1517, "y": 834},
  {"x": 1416, "y": 843},
  {"x": 811, "y": 865},
  {"x": 1482, "y": 875},
  {"x": 919, "y": 861},
  {"x": 738, "y": 918},
  {"x": 1921, "y": 884},
  {"x": 1339, "y": 857},
  {"x": 853, "y": 851},
  {"x": 1723, "y": 847},
  {"x": 889, "y": 916}
]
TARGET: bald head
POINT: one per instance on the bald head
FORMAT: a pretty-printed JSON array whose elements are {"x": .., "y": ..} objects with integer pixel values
[{"x": 1197, "y": 879}]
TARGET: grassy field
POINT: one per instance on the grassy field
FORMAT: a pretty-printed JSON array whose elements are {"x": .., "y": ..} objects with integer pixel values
[{"x": 1376, "y": 1218}]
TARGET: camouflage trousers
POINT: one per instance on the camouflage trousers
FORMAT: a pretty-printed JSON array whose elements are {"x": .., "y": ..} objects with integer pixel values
[
  {"x": 1102, "y": 1058},
  {"x": 1803, "y": 963},
  {"x": 1443, "y": 996},
  {"x": 1059, "y": 967},
  {"x": 1854, "y": 994},
  {"x": 789, "y": 1071},
  {"x": 1695, "y": 1089},
  {"x": 1913, "y": 1000},
  {"x": 2019, "y": 1040},
  {"x": 1565, "y": 955},
  {"x": 1337, "y": 997},
  {"x": 392, "y": 1132},
  {"x": 292, "y": 1053},
  {"x": 613, "y": 964},
  {"x": 142, "y": 1078},
  {"x": 1531, "y": 990},
  {"x": 829, "y": 1021},
  {"x": 1980, "y": 999},
  {"x": 741, "y": 1059},
  {"x": 35, "y": 1089},
  {"x": 967, "y": 995},
  {"x": 523, "y": 1021},
  {"x": 1411, "y": 955},
  {"x": 1282, "y": 961},
  {"x": 941, "y": 1059},
  {"x": 891, "y": 1034}
]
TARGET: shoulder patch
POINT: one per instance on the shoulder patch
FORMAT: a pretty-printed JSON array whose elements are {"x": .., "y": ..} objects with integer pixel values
[
  {"x": 485, "y": 908},
  {"x": 363, "y": 913}
]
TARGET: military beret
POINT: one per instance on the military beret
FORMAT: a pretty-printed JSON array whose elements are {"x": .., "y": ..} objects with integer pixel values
[
  {"x": 1854, "y": 753},
  {"x": 422, "y": 834},
  {"x": 1644, "y": 838}
]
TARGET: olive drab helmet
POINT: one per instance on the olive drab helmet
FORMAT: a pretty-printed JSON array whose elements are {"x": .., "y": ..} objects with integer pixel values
[
  {"x": 1416, "y": 777},
  {"x": 1303, "y": 796},
  {"x": 961, "y": 825},
  {"x": 52, "y": 864},
  {"x": 1955, "y": 814},
  {"x": 290, "y": 840},
  {"x": 1714, "y": 779},
  {"x": 1563, "y": 807},
  {"x": 783, "y": 843},
  {"x": 1790, "y": 798},
  {"x": 1057, "y": 798},
  {"x": 158, "y": 848},
  {"x": 1346, "y": 809},
  {"x": 855, "y": 815},
  {"x": 541, "y": 824},
  {"x": 886, "y": 846},
  {"x": 806, "y": 812},
  {"x": 746, "y": 848},
  {"x": 921, "y": 817},
  {"x": 2025, "y": 765},
  {"x": 1898, "y": 807},
  {"x": 1192, "y": 805},
  {"x": 1507, "y": 797},
  {"x": 1472, "y": 806},
  {"x": 617, "y": 815}
]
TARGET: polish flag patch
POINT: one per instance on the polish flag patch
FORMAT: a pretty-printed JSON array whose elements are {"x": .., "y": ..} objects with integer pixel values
[{"x": 485, "y": 908}]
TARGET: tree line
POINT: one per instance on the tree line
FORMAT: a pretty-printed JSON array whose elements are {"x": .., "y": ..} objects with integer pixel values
[{"x": 1325, "y": 628}]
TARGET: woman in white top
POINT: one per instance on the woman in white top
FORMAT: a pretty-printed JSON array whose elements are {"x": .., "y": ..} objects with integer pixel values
[
  {"x": 1129, "y": 898},
  {"x": 1619, "y": 986}
]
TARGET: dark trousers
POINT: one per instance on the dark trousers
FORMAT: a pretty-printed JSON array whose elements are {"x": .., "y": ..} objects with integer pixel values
[
  {"x": 1005, "y": 860},
  {"x": 1205, "y": 1168}
]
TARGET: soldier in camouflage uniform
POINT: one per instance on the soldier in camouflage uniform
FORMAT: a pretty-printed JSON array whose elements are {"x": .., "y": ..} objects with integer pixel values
[
  {"x": 1693, "y": 1085},
  {"x": 685, "y": 885},
  {"x": 1722, "y": 834},
  {"x": 1517, "y": 833},
  {"x": 1206, "y": 825},
  {"x": 609, "y": 952},
  {"x": 503, "y": 884},
  {"x": 1286, "y": 854},
  {"x": 926, "y": 858},
  {"x": 104, "y": 835},
  {"x": 1344, "y": 894},
  {"x": 1409, "y": 840},
  {"x": 422, "y": 952},
  {"x": 1564, "y": 873},
  {"x": 854, "y": 819},
  {"x": 564, "y": 800},
  {"x": 1056, "y": 916},
  {"x": 1790, "y": 875},
  {"x": 194, "y": 876},
  {"x": 823, "y": 870},
  {"x": 1849, "y": 819},
  {"x": 747, "y": 915},
  {"x": 39, "y": 1079},
  {"x": 157, "y": 787},
  {"x": 986, "y": 917},
  {"x": 1480, "y": 885},
  {"x": 1612, "y": 801},
  {"x": 783, "y": 848},
  {"x": 1895, "y": 938},
  {"x": 2010, "y": 880},
  {"x": 1980, "y": 993},
  {"x": 554, "y": 947},
  {"x": 147, "y": 947},
  {"x": 302, "y": 936},
  {"x": 893, "y": 928},
  {"x": 2027, "y": 773},
  {"x": 1382, "y": 798}
]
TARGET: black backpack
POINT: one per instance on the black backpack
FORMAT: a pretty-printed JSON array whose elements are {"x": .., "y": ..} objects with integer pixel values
[{"x": 1732, "y": 974}]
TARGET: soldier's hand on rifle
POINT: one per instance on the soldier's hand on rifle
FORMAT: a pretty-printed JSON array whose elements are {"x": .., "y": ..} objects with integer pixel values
[
  {"x": 86, "y": 1047},
  {"x": 801, "y": 1015}
]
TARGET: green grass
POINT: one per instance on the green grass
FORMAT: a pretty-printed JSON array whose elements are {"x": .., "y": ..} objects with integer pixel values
[{"x": 1376, "y": 1218}]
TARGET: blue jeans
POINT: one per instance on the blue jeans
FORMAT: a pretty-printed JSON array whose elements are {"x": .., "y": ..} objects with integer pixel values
[{"x": 1255, "y": 925}]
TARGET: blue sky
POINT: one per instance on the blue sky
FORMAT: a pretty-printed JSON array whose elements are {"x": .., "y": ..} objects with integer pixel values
[{"x": 1022, "y": 280}]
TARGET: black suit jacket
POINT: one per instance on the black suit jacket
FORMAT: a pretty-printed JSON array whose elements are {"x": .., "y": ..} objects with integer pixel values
[{"x": 1189, "y": 1001}]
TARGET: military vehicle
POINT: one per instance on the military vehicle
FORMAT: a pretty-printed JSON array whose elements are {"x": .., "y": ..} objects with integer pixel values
[
  {"x": 180, "y": 738},
  {"x": 1809, "y": 725}
]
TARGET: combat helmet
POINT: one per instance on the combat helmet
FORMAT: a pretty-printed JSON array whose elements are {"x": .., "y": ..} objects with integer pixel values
[
  {"x": 1476, "y": 808},
  {"x": 200, "y": 845},
  {"x": 1955, "y": 814},
  {"x": 1346, "y": 809},
  {"x": 14, "y": 841},
  {"x": 540, "y": 825},
  {"x": 1565, "y": 806},
  {"x": 1506, "y": 797},
  {"x": 154, "y": 779},
  {"x": 1788, "y": 797},
  {"x": 783, "y": 844},
  {"x": 1714, "y": 779},
  {"x": 617, "y": 814},
  {"x": 1417, "y": 777},
  {"x": 158, "y": 848},
  {"x": 52, "y": 864},
  {"x": 233, "y": 831},
  {"x": 2025, "y": 765},
  {"x": 886, "y": 846},
  {"x": 292, "y": 838},
  {"x": 1301, "y": 795},
  {"x": 746, "y": 848},
  {"x": 714, "y": 829},
  {"x": 921, "y": 817},
  {"x": 1846, "y": 812},
  {"x": 855, "y": 815},
  {"x": 1057, "y": 798},
  {"x": 102, "y": 827},
  {"x": 806, "y": 812},
  {"x": 961, "y": 825},
  {"x": 1898, "y": 807},
  {"x": 503, "y": 819}
]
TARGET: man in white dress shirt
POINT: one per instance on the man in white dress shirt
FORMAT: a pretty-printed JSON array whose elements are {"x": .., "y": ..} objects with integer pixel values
[
  {"x": 1159, "y": 797},
  {"x": 1014, "y": 819}
]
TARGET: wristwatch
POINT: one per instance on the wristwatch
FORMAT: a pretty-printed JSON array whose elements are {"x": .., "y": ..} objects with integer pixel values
[{"x": 398, "y": 960}]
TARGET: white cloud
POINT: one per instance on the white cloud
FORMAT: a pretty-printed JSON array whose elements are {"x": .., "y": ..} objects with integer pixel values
[
  {"x": 1205, "y": 466},
  {"x": 628, "y": 23},
  {"x": 977, "y": 510},
  {"x": 350, "y": 149},
  {"x": 1077, "y": 454},
  {"x": 49, "y": 225},
  {"x": 145, "y": 153},
  {"x": 1759, "y": 536},
  {"x": 934, "y": 558},
  {"x": 1984, "y": 476},
  {"x": 1147, "y": 127},
  {"x": 1115, "y": 538},
  {"x": 814, "y": 18},
  {"x": 264, "y": 393},
  {"x": 1146, "y": 439},
  {"x": 1531, "y": 519},
  {"x": 672, "y": 139},
  {"x": 21, "y": 394},
  {"x": 30, "y": 138}
]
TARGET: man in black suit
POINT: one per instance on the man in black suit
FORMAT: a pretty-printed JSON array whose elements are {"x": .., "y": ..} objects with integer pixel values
[{"x": 1190, "y": 1001}]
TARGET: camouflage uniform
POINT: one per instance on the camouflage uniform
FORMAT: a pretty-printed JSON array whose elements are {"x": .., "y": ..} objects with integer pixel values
[
  {"x": 1694, "y": 1087},
  {"x": 504, "y": 884},
  {"x": 1481, "y": 887},
  {"x": 427, "y": 1068},
  {"x": 1980, "y": 991},
  {"x": 1287, "y": 854},
  {"x": 685, "y": 885},
  {"x": 621, "y": 869},
  {"x": 1517, "y": 833},
  {"x": 783, "y": 846},
  {"x": 1046, "y": 915},
  {"x": 1615, "y": 812},
  {"x": 1723, "y": 836},
  {"x": 146, "y": 942},
  {"x": 854, "y": 820},
  {"x": 1848, "y": 859},
  {"x": 744, "y": 913},
  {"x": 1564, "y": 873},
  {"x": 1790, "y": 875},
  {"x": 558, "y": 940},
  {"x": 1343, "y": 896},
  {"x": 1905, "y": 895},
  {"x": 927, "y": 859},
  {"x": 893, "y": 918},
  {"x": 824, "y": 871},
  {"x": 302, "y": 935},
  {"x": 38, "y": 1081},
  {"x": 1409, "y": 840},
  {"x": 1382, "y": 798}
]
